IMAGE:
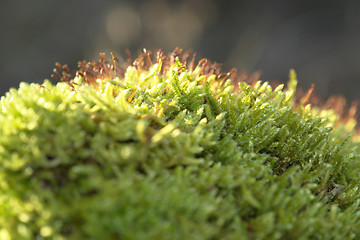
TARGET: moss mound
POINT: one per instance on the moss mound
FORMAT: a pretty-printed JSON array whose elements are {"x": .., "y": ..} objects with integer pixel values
[{"x": 168, "y": 150}]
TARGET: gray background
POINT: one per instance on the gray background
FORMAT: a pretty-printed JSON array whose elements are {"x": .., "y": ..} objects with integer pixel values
[{"x": 319, "y": 39}]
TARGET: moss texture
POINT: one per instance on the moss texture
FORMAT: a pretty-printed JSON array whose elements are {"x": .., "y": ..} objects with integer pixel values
[{"x": 167, "y": 149}]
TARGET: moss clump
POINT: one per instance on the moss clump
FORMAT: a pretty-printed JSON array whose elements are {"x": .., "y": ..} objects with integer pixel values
[{"x": 168, "y": 150}]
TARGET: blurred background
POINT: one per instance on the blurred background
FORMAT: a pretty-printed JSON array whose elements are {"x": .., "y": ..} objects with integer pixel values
[{"x": 319, "y": 39}]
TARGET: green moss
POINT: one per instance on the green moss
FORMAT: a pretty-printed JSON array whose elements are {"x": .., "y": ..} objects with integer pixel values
[{"x": 169, "y": 151}]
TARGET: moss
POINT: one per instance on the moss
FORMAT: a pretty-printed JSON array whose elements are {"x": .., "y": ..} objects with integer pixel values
[{"x": 164, "y": 149}]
